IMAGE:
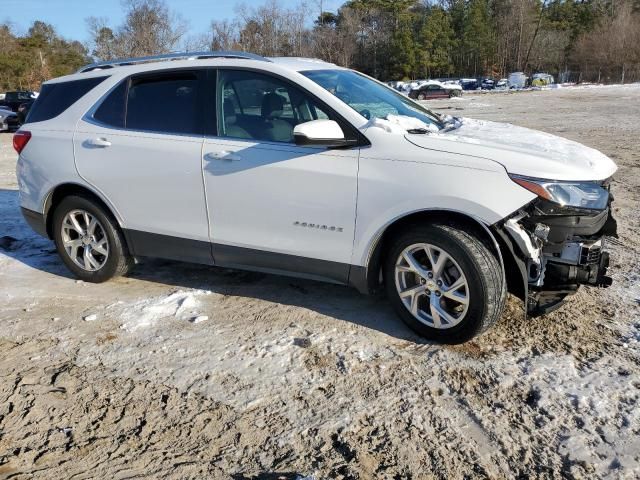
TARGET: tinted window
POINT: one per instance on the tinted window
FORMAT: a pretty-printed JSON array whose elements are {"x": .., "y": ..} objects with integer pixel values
[
  {"x": 260, "y": 107},
  {"x": 55, "y": 98},
  {"x": 111, "y": 110},
  {"x": 18, "y": 96},
  {"x": 166, "y": 103}
]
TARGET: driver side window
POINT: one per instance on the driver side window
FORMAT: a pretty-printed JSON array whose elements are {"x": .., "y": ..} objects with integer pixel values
[{"x": 256, "y": 106}]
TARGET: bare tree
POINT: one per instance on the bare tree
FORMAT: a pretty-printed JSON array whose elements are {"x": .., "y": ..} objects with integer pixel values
[
  {"x": 612, "y": 48},
  {"x": 273, "y": 30},
  {"x": 149, "y": 28},
  {"x": 225, "y": 35}
]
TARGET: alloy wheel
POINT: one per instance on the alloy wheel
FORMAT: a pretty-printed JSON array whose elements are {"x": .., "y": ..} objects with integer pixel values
[
  {"x": 84, "y": 240},
  {"x": 432, "y": 286}
]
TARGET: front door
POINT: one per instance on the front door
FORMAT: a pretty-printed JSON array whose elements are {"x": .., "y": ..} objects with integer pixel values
[{"x": 274, "y": 205}]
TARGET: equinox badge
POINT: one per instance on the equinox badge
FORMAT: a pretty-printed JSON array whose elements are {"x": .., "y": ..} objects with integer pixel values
[{"x": 318, "y": 226}]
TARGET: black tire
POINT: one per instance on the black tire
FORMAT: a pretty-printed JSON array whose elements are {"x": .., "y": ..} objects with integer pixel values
[
  {"x": 486, "y": 284},
  {"x": 422, "y": 96},
  {"x": 118, "y": 261}
]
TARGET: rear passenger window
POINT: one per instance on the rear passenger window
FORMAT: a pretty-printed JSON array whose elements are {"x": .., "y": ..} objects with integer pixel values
[
  {"x": 55, "y": 98},
  {"x": 166, "y": 103}
]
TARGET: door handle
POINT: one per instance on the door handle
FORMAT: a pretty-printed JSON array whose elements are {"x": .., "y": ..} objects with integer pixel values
[
  {"x": 99, "y": 142},
  {"x": 223, "y": 155}
]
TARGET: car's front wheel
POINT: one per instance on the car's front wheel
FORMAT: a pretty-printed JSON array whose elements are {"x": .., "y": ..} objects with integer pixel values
[
  {"x": 422, "y": 96},
  {"x": 444, "y": 282},
  {"x": 89, "y": 240}
]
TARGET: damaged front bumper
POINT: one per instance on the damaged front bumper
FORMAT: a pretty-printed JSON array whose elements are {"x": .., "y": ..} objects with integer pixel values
[{"x": 555, "y": 250}]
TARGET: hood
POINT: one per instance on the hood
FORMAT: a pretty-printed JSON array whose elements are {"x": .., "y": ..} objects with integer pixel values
[{"x": 522, "y": 151}]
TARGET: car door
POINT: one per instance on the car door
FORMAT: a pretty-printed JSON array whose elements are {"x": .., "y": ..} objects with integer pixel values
[
  {"x": 434, "y": 91},
  {"x": 140, "y": 148},
  {"x": 272, "y": 204}
]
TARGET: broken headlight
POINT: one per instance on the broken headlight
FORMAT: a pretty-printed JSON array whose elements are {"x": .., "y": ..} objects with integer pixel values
[{"x": 588, "y": 195}]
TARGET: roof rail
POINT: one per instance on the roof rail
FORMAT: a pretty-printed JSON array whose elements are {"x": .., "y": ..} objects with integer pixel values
[{"x": 171, "y": 56}]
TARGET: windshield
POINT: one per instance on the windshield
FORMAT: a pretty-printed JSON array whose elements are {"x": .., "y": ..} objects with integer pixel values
[
  {"x": 15, "y": 96},
  {"x": 369, "y": 98}
]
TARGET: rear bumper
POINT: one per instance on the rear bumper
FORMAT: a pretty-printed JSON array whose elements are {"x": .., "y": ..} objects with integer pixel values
[{"x": 36, "y": 221}]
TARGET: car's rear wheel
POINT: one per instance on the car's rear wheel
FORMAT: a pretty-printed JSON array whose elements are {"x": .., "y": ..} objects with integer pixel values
[
  {"x": 422, "y": 96},
  {"x": 89, "y": 240},
  {"x": 444, "y": 283}
]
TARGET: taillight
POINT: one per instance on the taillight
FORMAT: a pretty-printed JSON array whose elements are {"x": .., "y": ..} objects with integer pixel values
[{"x": 20, "y": 140}]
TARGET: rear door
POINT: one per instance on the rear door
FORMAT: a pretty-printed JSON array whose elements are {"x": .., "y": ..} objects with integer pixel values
[
  {"x": 141, "y": 148},
  {"x": 272, "y": 204}
]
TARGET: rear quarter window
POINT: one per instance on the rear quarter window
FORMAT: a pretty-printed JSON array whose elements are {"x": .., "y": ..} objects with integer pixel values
[
  {"x": 55, "y": 98},
  {"x": 111, "y": 111}
]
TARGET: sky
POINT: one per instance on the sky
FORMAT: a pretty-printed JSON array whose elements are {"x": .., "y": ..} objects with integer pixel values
[{"x": 68, "y": 16}]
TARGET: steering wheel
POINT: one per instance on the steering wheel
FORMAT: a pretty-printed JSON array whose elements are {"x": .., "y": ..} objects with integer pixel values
[{"x": 365, "y": 113}]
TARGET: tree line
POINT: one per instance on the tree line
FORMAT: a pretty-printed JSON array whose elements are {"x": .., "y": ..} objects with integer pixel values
[{"x": 575, "y": 40}]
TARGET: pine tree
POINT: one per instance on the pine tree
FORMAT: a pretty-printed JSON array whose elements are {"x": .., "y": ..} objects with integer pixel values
[
  {"x": 436, "y": 42},
  {"x": 477, "y": 37}
]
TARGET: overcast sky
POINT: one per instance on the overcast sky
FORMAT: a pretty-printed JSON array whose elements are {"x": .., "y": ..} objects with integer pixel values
[{"x": 68, "y": 16}]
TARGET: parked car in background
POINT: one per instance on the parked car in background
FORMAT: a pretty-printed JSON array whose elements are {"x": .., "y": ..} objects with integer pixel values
[
  {"x": 433, "y": 89},
  {"x": 13, "y": 100},
  {"x": 542, "y": 80},
  {"x": 517, "y": 80},
  {"x": 8, "y": 120},
  {"x": 502, "y": 84},
  {"x": 396, "y": 85},
  {"x": 23, "y": 111},
  {"x": 487, "y": 84},
  {"x": 429, "y": 92},
  {"x": 469, "y": 83}
]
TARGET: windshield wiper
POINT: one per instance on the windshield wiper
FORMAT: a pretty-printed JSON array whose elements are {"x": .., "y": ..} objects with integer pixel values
[{"x": 420, "y": 131}]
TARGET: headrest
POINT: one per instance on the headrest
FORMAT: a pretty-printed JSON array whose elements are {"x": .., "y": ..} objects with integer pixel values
[
  {"x": 228, "y": 110},
  {"x": 272, "y": 105}
]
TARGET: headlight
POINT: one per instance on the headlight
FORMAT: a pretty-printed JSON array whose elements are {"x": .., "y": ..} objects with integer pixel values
[{"x": 589, "y": 195}]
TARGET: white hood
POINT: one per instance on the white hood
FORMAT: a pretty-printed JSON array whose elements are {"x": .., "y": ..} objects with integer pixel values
[{"x": 522, "y": 151}]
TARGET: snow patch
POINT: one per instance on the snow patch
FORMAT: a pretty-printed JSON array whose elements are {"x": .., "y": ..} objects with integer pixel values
[
  {"x": 147, "y": 312},
  {"x": 596, "y": 398},
  {"x": 400, "y": 124},
  {"x": 528, "y": 141}
]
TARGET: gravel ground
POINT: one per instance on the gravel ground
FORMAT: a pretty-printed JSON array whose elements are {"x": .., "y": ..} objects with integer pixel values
[{"x": 290, "y": 377}]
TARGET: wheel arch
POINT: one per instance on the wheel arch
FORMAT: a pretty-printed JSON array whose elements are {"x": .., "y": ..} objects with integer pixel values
[
  {"x": 368, "y": 278},
  {"x": 59, "y": 192}
]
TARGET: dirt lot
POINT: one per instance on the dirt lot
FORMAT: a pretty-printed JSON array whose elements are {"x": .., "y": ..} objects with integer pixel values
[{"x": 294, "y": 377}]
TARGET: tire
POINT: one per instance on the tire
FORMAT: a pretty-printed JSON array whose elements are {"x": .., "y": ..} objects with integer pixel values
[
  {"x": 107, "y": 238},
  {"x": 421, "y": 96},
  {"x": 467, "y": 258}
]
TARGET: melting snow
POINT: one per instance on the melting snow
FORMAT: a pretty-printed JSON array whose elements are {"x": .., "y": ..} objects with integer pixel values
[
  {"x": 533, "y": 141},
  {"x": 400, "y": 124},
  {"x": 148, "y": 312}
]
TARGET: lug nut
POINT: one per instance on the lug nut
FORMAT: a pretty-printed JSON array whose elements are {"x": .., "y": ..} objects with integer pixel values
[
  {"x": 422, "y": 281},
  {"x": 430, "y": 275},
  {"x": 438, "y": 294},
  {"x": 439, "y": 283}
]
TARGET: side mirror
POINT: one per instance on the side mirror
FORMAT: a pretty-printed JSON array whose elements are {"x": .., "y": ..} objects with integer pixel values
[{"x": 320, "y": 133}]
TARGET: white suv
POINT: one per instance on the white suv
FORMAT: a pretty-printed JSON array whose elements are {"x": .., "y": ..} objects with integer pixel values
[{"x": 299, "y": 167}]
